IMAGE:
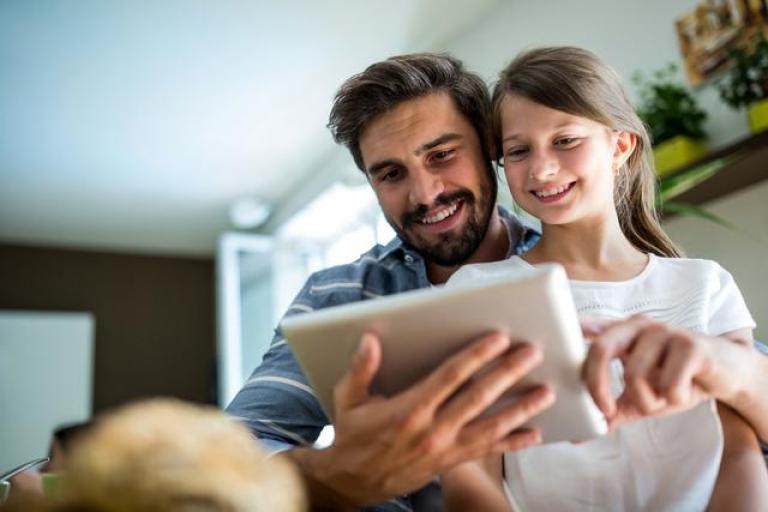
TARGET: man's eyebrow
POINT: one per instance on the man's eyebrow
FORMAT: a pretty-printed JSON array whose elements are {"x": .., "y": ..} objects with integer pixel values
[{"x": 448, "y": 137}]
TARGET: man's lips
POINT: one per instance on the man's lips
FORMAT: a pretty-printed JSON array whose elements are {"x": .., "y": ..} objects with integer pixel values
[
  {"x": 441, "y": 214},
  {"x": 441, "y": 219}
]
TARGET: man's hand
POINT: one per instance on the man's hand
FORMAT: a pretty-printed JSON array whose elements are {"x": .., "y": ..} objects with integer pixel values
[
  {"x": 386, "y": 447},
  {"x": 665, "y": 368}
]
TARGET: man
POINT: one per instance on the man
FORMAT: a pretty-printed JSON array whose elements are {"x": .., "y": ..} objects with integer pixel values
[{"x": 418, "y": 126}]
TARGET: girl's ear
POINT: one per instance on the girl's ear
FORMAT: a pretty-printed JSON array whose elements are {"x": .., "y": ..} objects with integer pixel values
[{"x": 626, "y": 142}]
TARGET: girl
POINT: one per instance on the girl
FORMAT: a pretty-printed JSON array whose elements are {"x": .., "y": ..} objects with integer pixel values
[{"x": 576, "y": 156}]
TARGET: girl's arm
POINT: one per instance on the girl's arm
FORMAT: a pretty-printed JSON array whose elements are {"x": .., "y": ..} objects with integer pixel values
[
  {"x": 668, "y": 369},
  {"x": 742, "y": 483},
  {"x": 476, "y": 486}
]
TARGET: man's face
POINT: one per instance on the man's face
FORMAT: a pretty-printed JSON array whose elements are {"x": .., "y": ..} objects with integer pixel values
[{"x": 425, "y": 164}]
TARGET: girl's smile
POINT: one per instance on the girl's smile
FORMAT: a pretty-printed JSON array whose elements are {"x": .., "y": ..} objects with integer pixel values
[{"x": 552, "y": 194}]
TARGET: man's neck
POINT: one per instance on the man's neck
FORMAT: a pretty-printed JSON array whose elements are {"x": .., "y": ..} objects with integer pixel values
[{"x": 493, "y": 247}]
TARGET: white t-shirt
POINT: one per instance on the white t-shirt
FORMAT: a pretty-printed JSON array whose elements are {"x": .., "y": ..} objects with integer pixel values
[{"x": 662, "y": 463}]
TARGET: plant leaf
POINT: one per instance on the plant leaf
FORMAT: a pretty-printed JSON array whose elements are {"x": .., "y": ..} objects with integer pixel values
[
  {"x": 692, "y": 210},
  {"x": 674, "y": 185}
]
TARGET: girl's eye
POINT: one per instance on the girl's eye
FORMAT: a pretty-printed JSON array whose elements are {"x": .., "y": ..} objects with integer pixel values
[
  {"x": 516, "y": 153},
  {"x": 566, "y": 141}
]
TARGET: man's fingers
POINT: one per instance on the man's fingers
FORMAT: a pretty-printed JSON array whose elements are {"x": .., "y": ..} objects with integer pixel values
[
  {"x": 443, "y": 382},
  {"x": 485, "y": 389},
  {"x": 486, "y": 431},
  {"x": 353, "y": 388},
  {"x": 518, "y": 440}
]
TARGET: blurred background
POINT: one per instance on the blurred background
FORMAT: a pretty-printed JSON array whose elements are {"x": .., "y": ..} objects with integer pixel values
[{"x": 167, "y": 181}]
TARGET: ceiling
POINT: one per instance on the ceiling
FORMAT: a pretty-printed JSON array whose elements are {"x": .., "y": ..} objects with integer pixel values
[{"x": 134, "y": 125}]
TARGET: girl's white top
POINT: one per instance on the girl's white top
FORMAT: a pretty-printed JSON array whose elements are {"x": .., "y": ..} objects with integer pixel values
[{"x": 662, "y": 463}]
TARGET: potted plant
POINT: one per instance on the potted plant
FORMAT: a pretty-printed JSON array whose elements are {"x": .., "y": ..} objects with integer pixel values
[
  {"x": 746, "y": 84},
  {"x": 674, "y": 119}
]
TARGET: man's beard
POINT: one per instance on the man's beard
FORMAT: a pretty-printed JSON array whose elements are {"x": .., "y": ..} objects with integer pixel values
[{"x": 449, "y": 249}]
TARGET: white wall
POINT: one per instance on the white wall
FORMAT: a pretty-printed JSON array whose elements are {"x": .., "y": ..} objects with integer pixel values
[
  {"x": 743, "y": 252},
  {"x": 629, "y": 34},
  {"x": 46, "y": 375}
]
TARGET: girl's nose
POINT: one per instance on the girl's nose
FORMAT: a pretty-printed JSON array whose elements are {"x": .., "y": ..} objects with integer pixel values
[{"x": 543, "y": 167}]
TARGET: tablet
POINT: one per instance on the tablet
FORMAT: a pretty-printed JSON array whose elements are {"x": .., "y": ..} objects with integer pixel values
[{"x": 420, "y": 329}]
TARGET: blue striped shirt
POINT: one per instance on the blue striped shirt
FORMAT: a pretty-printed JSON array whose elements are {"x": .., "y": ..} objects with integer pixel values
[{"x": 276, "y": 402}]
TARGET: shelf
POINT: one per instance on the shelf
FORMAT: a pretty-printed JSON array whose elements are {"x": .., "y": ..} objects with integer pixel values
[{"x": 750, "y": 166}]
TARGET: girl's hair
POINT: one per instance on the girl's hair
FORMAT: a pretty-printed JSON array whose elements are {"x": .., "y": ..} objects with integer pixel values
[{"x": 577, "y": 82}]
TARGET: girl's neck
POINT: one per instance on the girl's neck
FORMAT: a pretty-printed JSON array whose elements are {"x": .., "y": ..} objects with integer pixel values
[{"x": 590, "y": 250}]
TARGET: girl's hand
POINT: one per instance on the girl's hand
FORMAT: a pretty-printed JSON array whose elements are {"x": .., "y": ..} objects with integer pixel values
[{"x": 666, "y": 369}]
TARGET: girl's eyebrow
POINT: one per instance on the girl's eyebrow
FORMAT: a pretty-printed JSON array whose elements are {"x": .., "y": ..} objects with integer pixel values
[{"x": 514, "y": 136}]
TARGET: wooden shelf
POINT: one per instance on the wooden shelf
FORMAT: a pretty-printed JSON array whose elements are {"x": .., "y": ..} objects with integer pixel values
[{"x": 750, "y": 166}]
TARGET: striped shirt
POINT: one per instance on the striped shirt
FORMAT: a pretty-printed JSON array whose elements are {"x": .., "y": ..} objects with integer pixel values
[{"x": 276, "y": 402}]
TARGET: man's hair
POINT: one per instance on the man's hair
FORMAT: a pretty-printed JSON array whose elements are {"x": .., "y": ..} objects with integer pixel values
[{"x": 384, "y": 85}]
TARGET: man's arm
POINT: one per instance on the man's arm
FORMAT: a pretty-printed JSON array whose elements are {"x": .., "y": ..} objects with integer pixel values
[
  {"x": 277, "y": 404},
  {"x": 385, "y": 447},
  {"x": 742, "y": 483}
]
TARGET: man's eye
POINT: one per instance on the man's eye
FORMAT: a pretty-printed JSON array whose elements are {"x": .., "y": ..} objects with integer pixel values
[
  {"x": 392, "y": 174},
  {"x": 443, "y": 155}
]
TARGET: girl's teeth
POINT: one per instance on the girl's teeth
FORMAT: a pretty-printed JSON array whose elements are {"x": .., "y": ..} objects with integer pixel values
[{"x": 552, "y": 191}]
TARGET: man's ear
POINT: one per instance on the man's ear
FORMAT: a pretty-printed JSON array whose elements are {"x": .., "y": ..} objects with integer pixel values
[{"x": 626, "y": 142}]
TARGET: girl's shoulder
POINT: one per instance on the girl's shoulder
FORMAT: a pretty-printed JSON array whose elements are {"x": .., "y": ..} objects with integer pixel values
[{"x": 688, "y": 267}]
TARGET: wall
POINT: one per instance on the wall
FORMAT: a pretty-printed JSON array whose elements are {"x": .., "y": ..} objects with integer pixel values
[
  {"x": 635, "y": 36},
  {"x": 154, "y": 316},
  {"x": 58, "y": 347},
  {"x": 629, "y": 35},
  {"x": 742, "y": 251}
]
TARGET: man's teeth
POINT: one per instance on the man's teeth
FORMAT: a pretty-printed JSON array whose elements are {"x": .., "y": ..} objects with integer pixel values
[
  {"x": 552, "y": 191},
  {"x": 442, "y": 215}
]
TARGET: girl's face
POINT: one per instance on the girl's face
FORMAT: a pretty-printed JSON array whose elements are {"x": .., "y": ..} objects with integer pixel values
[{"x": 560, "y": 167}]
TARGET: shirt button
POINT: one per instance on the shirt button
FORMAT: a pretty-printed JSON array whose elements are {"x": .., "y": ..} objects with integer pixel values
[{"x": 408, "y": 258}]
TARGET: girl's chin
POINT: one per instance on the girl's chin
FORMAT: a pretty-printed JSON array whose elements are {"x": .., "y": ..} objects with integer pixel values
[{"x": 548, "y": 216}]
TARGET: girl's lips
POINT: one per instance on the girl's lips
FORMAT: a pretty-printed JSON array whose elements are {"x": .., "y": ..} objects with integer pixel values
[{"x": 554, "y": 197}]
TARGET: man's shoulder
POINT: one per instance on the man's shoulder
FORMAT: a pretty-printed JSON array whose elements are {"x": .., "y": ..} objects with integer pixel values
[{"x": 382, "y": 270}]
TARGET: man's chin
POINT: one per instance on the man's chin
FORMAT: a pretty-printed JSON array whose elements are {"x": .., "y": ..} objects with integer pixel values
[{"x": 445, "y": 252}]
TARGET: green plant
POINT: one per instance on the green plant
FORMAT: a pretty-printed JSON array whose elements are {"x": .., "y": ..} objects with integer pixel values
[
  {"x": 667, "y": 107},
  {"x": 747, "y": 80},
  {"x": 672, "y": 186}
]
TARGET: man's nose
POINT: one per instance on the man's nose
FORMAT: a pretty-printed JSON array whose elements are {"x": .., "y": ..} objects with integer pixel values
[
  {"x": 543, "y": 166},
  {"x": 425, "y": 186}
]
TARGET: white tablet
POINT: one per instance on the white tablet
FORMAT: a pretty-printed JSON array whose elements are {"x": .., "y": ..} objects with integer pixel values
[{"x": 420, "y": 329}]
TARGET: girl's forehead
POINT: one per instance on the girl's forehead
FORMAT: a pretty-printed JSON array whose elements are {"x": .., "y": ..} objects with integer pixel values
[{"x": 519, "y": 114}]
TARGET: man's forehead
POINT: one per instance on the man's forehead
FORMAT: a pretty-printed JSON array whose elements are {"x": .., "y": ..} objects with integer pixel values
[{"x": 410, "y": 126}]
